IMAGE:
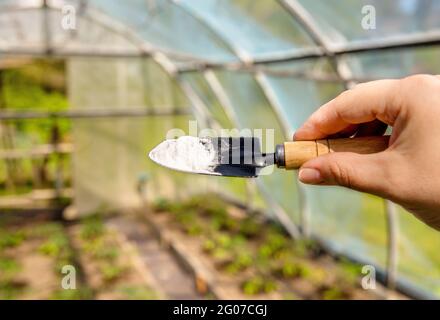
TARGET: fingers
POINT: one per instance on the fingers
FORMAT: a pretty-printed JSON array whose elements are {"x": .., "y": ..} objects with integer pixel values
[
  {"x": 374, "y": 128},
  {"x": 367, "y": 102},
  {"x": 367, "y": 173}
]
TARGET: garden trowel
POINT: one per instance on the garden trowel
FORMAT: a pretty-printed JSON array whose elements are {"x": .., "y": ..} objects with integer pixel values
[{"x": 242, "y": 156}]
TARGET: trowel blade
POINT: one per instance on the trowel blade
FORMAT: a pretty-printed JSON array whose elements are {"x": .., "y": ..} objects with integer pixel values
[{"x": 231, "y": 157}]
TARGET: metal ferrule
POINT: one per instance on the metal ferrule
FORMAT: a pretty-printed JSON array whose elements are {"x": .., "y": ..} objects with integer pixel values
[{"x": 280, "y": 159}]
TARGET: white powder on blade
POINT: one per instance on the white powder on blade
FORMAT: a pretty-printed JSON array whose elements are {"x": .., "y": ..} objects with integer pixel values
[{"x": 186, "y": 154}]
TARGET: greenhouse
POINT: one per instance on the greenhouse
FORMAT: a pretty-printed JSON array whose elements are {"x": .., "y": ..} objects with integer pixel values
[{"x": 89, "y": 87}]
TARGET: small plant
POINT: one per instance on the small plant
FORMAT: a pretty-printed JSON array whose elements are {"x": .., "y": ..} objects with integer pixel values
[
  {"x": 316, "y": 275},
  {"x": 221, "y": 254},
  {"x": 257, "y": 285},
  {"x": 10, "y": 239},
  {"x": 290, "y": 270},
  {"x": 274, "y": 243},
  {"x": 333, "y": 293},
  {"x": 107, "y": 253},
  {"x": 240, "y": 263},
  {"x": 193, "y": 229},
  {"x": 54, "y": 245},
  {"x": 306, "y": 247},
  {"x": 8, "y": 268},
  {"x": 208, "y": 245},
  {"x": 162, "y": 205},
  {"x": 349, "y": 272},
  {"x": 249, "y": 228},
  {"x": 92, "y": 227},
  {"x": 111, "y": 272}
]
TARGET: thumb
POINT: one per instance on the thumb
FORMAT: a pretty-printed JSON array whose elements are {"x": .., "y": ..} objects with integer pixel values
[{"x": 367, "y": 173}]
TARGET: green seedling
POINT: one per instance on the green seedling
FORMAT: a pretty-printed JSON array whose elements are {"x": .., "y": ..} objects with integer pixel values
[
  {"x": 185, "y": 217},
  {"x": 221, "y": 254},
  {"x": 92, "y": 227},
  {"x": 249, "y": 228},
  {"x": 349, "y": 272},
  {"x": 289, "y": 270},
  {"x": 111, "y": 272},
  {"x": 54, "y": 245},
  {"x": 316, "y": 275},
  {"x": 108, "y": 253},
  {"x": 213, "y": 212},
  {"x": 333, "y": 293},
  {"x": 193, "y": 229},
  {"x": 224, "y": 241},
  {"x": 269, "y": 286},
  {"x": 8, "y": 268},
  {"x": 208, "y": 245},
  {"x": 220, "y": 221},
  {"x": 162, "y": 205},
  {"x": 273, "y": 244}
]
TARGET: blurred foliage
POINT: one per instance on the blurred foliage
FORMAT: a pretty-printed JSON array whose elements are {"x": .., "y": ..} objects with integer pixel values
[{"x": 37, "y": 86}]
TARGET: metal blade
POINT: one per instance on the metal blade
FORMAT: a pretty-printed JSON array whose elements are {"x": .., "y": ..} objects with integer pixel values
[{"x": 224, "y": 156}]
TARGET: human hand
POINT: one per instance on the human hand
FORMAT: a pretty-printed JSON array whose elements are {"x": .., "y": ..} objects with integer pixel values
[{"x": 408, "y": 172}]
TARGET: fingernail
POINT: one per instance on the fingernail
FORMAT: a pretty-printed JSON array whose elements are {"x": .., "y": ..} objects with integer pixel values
[{"x": 310, "y": 176}]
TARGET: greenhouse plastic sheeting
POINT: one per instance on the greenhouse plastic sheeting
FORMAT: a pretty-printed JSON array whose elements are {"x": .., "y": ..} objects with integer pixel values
[
  {"x": 394, "y": 63},
  {"x": 165, "y": 25},
  {"x": 212, "y": 104},
  {"x": 209, "y": 45},
  {"x": 350, "y": 221},
  {"x": 250, "y": 106},
  {"x": 419, "y": 261},
  {"x": 116, "y": 149}
]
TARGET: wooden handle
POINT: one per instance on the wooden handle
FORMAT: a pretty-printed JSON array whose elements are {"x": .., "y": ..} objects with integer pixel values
[{"x": 298, "y": 152}]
